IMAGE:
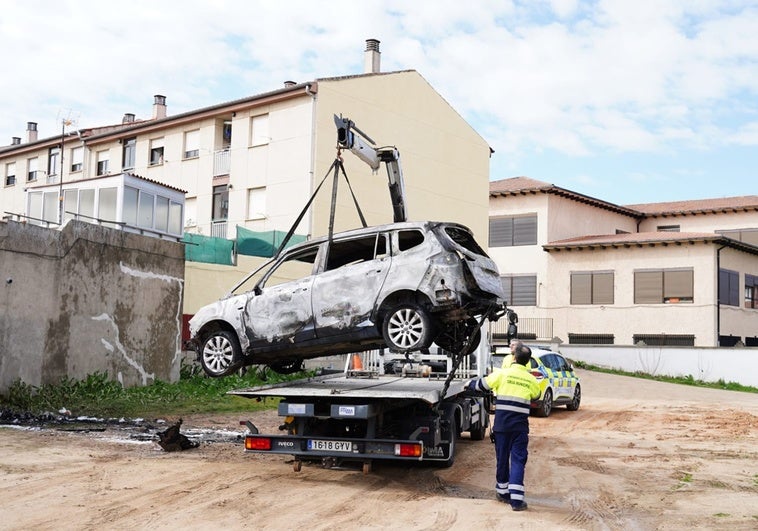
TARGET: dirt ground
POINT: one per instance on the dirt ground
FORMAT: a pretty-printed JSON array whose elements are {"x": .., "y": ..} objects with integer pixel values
[{"x": 637, "y": 455}]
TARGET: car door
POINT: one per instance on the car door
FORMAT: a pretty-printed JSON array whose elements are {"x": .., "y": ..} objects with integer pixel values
[
  {"x": 345, "y": 293},
  {"x": 560, "y": 379},
  {"x": 278, "y": 310}
]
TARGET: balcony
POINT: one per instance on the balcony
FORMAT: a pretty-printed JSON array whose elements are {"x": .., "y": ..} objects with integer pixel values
[
  {"x": 218, "y": 229},
  {"x": 529, "y": 328},
  {"x": 221, "y": 162}
]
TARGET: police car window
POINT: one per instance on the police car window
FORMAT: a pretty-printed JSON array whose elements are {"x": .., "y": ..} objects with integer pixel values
[{"x": 408, "y": 239}]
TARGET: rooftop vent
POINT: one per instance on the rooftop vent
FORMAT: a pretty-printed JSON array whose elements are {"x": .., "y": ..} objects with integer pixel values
[
  {"x": 15, "y": 141},
  {"x": 31, "y": 131},
  {"x": 289, "y": 83},
  {"x": 128, "y": 118},
  {"x": 159, "y": 107}
]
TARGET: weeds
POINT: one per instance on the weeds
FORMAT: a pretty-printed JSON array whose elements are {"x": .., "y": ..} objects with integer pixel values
[{"x": 99, "y": 395}]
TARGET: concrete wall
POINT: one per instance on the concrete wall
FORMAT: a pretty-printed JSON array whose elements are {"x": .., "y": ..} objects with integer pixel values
[
  {"x": 88, "y": 299},
  {"x": 707, "y": 364}
]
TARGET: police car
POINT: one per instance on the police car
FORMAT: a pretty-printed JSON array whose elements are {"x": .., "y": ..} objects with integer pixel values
[{"x": 556, "y": 377}]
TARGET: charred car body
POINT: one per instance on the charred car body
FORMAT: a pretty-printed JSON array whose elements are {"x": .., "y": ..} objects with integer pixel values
[{"x": 400, "y": 286}]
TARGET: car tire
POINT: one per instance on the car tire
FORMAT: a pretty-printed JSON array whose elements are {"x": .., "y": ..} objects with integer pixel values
[
  {"x": 220, "y": 354},
  {"x": 574, "y": 404},
  {"x": 407, "y": 327},
  {"x": 547, "y": 404}
]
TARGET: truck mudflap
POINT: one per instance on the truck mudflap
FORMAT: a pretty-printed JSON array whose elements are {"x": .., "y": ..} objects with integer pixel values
[{"x": 307, "y": 447}]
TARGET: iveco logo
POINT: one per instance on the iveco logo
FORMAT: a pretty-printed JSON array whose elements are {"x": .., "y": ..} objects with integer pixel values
[{"x": 286, "y": 443}]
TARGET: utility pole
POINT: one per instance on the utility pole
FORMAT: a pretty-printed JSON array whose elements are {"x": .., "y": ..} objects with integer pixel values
[{"x": 64, "y": 123}]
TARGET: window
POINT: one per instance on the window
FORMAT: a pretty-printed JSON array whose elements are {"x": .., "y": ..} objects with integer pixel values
[
  {"x": 259, "y": 134},
  {"x": 106, "y": 204},
  {"x": 129, "y": 153},
  {"x": 592, "y": 287},
  {"x": 357, "y": 250},
  {"x": 175, "y": 218},
  {"x": 465, "y": 239},
  {"x": 744, "y": 235},
  {"x": 131, "y": 199},
  {"x": 161, "y": 213},
  {"x": 87, "y": 202},
  {"x": 145, "y": 210},
  {"x": 220, "y": 203},
  {"x": 32, "y": 168},
  {"x": 156, "y": 151},
  {"x": 657, "y": 286},
  {"x": 77, "y": 159},
  {"x": 408, "y": 239},
  {"x": 256, "y": 203},
  {"x": 192, "y": 144},
  {"x": 729, "y": 287},
  {"x": 102, "y": 162},
  {"x": 668, "y": 228},
  {"x": 520, "y": 290},
  {"x": 70, "y": 203},
  {"x": 10, "y": 174},
  {"x": 54, "y": 161},
  {"x": 751, "y": 291},
  {"x": 512, "y": 231},
  {"x": 50, "y": 206}
]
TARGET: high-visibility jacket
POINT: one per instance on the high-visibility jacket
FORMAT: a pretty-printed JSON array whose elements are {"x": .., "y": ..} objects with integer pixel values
[
  {"x": 507, "y": 361},
  {"x": 514, "y": 389}
]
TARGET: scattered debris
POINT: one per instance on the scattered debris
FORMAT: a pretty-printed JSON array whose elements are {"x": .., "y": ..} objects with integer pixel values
[{"x": 171, "y": 440}]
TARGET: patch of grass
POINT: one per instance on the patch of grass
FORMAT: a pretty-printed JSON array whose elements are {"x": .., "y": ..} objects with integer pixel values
[
  {"x": 722, "y": 515},
  {"x": 100, "y": 396},
  {"x": 686, "y": 478},
  {"x": 684, "y": 380}
]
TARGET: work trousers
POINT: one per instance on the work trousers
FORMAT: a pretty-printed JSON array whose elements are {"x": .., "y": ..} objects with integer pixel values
[{"x": 511, "y": 453}]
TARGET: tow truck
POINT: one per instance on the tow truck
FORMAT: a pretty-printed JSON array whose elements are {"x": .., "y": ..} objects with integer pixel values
[{"x": 406, "y": 406}]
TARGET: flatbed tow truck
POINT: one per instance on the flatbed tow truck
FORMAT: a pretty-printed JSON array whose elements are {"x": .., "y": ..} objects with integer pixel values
[
  {"x": 406, "y": 406},
  {"x": 366, "y": 413}
]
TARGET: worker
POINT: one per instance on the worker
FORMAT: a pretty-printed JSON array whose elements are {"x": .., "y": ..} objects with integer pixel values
[
  {"x": 514, "y": 389},
  {"x": 507, "y": 360}
]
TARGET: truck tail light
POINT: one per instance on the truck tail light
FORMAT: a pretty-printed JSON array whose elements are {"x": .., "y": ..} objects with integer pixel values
[
  {"x": 257, "y": 443},
  {"x": 408, "y": 450}
]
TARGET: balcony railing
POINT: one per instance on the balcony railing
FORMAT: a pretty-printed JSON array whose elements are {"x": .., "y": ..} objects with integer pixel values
[
  {"x": 221, "y": 162},
  {"x": 529, "y": 328},
  {"x": 218, "y": 229}
]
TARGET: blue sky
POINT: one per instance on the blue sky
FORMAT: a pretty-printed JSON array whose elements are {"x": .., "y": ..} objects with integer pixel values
[{"x": 627, "y": 101}]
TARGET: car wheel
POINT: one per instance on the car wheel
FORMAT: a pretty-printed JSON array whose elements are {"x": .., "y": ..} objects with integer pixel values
[
  {"x": 407, "y": 327},
  {"x": 574, "y": 404},
  {"x": 547, "y": 404},
  {"x": 221, "y": 354}
]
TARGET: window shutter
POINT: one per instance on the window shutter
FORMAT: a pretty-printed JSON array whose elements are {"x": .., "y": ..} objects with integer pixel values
[
  {"x": 677, "y": 284},
  {"x": 525, "y": 230},
  {"x": 581, "y": 288},
  {"x": 648, "y": 287},
  {"x": 501, "y": 232},
  {"x": 525, "y": 291},
  {"x": 602, "y": 288}
]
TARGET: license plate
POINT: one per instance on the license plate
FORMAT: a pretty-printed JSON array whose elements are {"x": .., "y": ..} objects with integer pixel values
[{"x": 330, "y": 446}]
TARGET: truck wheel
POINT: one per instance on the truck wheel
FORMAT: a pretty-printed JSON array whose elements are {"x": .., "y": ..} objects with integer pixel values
[
  {"x": 407, "y": 327},
  {"x": 221, "y": 354},
  {"x": 480, "y": 430},
  {"x": 452, "y": 435}
]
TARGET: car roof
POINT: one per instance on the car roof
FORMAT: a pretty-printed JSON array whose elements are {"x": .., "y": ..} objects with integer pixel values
[{"x": 378, "y": 228}]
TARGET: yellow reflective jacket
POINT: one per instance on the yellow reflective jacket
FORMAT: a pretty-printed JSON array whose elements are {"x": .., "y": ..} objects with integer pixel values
[{"x": 514, "y": 389}]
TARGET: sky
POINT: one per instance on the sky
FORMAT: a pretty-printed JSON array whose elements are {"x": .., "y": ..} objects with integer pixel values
[{"x": 626, "y": 101}]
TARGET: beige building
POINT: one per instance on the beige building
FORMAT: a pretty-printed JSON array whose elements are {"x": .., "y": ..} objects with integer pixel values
[
  {"x": 255, "y": 162},
  {"x": 590, "y": 272}
]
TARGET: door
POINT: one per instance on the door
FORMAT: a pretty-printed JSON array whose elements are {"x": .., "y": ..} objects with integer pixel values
[
  {"x": 278, "y": 310},
  {"x": 345, "y": 293}
]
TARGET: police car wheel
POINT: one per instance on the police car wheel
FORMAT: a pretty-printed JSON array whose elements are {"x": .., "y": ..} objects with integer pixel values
[
  {"x": 574, "y": 404},
  {"x": 547, "y": 404}
]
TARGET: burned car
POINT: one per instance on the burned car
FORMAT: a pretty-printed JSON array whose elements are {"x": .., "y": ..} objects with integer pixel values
[{"x": 401, "y": 286}]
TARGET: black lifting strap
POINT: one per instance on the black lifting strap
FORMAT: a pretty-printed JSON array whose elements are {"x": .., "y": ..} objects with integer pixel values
[{"x": 305, "y": 209}]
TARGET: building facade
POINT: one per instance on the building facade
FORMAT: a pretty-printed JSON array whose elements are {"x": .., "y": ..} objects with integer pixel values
[
  {"x": 255, "y": 162},
  {"x": 586, "y": 271}
]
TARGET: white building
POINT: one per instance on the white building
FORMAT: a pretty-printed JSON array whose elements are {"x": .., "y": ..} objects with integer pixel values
[{"x": 590, "y": 272}]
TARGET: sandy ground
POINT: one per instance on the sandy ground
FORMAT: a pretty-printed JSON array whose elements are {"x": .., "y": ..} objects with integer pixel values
[{"x": 637, "y": 455}]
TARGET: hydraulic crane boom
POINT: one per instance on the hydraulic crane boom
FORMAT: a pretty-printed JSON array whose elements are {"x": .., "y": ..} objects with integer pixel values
[{"x": 352, "y": 138}]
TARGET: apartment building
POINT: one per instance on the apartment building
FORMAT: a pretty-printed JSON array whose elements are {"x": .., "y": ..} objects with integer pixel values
[
  {"x": 255, "y": 162},
  {"x": 587, "y": 271}
]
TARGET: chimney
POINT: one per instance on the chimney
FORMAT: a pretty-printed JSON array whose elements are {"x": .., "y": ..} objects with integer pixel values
[
  {"x": 15, "y": 141},
  {"x": 128, "y": 118},
  {"x": 159, "y": 107},
  {"x": 289, "y": 84},
  {"x": 31, "y": 131},
  {"x": 371, "y": 57}
]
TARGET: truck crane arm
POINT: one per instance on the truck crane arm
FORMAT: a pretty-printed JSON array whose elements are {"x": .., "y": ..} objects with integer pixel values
[{"x": 359, "y": 143}]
